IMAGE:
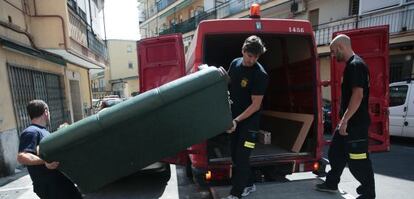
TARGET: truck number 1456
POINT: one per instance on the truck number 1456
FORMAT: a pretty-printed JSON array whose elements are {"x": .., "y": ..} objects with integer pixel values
[{"x": 296, "y": 29}]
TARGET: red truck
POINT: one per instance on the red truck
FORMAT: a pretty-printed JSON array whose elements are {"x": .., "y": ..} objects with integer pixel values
[{"x": 295, "y": 86}]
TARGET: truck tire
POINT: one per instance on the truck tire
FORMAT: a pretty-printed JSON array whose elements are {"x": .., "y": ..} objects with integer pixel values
[
  {"x": 188, "y": 169},
  {"x": 198, "y": 177},
  {"x": 166, "y": 173},
  {"x": 274, "y": 173}
]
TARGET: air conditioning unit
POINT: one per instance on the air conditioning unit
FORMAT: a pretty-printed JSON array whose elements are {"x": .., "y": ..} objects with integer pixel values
[
  {"x": 294, "y": 7},
  {"x": 297, "y": 6}
]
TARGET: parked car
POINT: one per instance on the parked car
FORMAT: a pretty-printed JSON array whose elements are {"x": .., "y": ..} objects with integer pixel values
[
  {"x": 402, "y": 109},
  {"x": 96, "y": 103},
  {"x": 108, "y": 102}
]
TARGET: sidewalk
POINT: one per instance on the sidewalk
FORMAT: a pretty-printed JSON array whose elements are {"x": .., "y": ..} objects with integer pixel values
[{"x": 17, "y": 186}]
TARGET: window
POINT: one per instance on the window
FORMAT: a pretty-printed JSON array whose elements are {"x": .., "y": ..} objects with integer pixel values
[
  {"x": 314, "y": 17},
  {"x": 401, "y": 67},
  {"x": 353, "y": 7},
  {"x": 129, "y": 49},
  {"x": 130, "y": 65},
  {"x": 398, "y": 94},
  {"x": 101, "y": 83}
]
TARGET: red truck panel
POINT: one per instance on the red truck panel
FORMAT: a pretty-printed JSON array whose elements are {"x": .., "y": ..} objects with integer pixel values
[
  {"x": 160, "y": 64},
  {"x": 161, "y": 60},
  {"x": 244, "y": 25},
  {"x": 195, "y": 56}
]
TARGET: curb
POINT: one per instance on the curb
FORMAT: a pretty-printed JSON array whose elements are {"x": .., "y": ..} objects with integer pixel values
[{"x": 19, "y": 172}]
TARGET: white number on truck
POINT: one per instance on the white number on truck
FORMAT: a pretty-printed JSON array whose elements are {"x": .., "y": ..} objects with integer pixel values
[{"x": 296, "y": 29}]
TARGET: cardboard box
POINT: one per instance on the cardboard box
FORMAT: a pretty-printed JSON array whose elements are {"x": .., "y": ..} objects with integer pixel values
[
  {"x": 264, "y": 137},
  {"x": 289, "y": 129}
]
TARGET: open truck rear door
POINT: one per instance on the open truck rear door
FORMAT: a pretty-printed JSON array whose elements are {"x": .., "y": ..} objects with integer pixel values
[
  {"x": 161, "y": 60},
  {"x": 372, "y": 45}
]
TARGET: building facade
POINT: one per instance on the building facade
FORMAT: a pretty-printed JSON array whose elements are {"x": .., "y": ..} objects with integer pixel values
[
  {"x": 47, "y": 48},
  {"x": 122, "y": 71},
  {"x": 99, "y": 83},
  {"x": 326, "y": 16}
]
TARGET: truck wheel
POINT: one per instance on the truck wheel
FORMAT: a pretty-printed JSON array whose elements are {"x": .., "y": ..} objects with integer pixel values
[
  {"x": 198, "y": 178},
  {"x": 275, "y": 173},
  {"x": 188, "y": 169},
  {"x": 166, "y": 173},
  {"x": 200, "y": 181}
]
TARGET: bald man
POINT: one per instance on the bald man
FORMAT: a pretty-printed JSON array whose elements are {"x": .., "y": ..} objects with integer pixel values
[{"x": 350, "y": 142}]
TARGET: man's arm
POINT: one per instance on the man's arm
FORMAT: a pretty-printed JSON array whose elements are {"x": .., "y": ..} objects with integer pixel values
[
  {"x": 26, "y": 158},
  {"x": 29, "y": 150},
  {"x": 30, "y": 159},
  {"x": 253, "y": 108},
  {"x": 354, "y": 103}
]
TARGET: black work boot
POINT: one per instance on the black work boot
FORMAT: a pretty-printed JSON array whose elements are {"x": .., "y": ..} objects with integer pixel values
[{"x": 325, "y": 188}]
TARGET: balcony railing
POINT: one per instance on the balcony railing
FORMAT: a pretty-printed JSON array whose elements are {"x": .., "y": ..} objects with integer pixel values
[
  {"x": 100, "y": 89},
  {"x": 77, "y": 30},
  {"x": 401, "y": 20},
  {"x": 398, "y": 21},
  {"x": 189, "y": 24},
  {"x": 96, "y": 45},
  {"x": 222, "y": 10}
]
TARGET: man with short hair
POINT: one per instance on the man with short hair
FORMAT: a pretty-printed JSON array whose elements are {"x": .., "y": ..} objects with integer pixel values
[
  {"x": 350, "y": 142},
  {"x": 48, "y": 182},
  {"x": 247, "y": 88}
]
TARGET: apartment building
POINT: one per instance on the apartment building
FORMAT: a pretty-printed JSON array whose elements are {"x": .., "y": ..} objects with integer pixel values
[
  {"x": 122, "y": 72},
  {"x": 47, "y": 48},
  {"x": 120, "y": 77},
  {"x": 326, "y": 16},
  {"x": 100, "y": 87}
]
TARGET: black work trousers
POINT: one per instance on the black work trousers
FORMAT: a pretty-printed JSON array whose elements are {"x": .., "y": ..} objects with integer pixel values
[
  {"x": 242, "y": 144},
  {"x": 56, "y": 187},
  {"x": 352, "y": 150}
]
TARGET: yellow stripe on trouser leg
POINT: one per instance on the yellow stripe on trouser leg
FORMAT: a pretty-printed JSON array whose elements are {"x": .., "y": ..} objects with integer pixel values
[
  {"x": 358, "y": 156},
  {"x": 249, "y": 144}
]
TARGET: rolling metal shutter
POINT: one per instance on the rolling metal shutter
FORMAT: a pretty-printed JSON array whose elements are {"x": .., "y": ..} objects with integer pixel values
[{"x": 27, "y": 85}]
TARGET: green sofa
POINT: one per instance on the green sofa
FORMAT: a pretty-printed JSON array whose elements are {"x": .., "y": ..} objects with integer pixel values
[{"x": 142, "y": 130}]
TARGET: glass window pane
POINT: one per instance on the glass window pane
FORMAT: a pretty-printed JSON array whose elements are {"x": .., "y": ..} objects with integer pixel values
[{"x": 398, "y": 94}]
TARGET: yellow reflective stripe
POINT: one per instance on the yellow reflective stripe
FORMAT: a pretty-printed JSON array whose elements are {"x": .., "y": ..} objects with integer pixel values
[
  {"x": 249, "y": 144},
  {"x": 358, "y": 156}
]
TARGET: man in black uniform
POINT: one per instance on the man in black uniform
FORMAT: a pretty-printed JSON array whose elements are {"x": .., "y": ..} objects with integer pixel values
[
  {"x": 350, "y": 142},
  {"x": 247, "y": 88},
  {"x": 48, "y": 182}
]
